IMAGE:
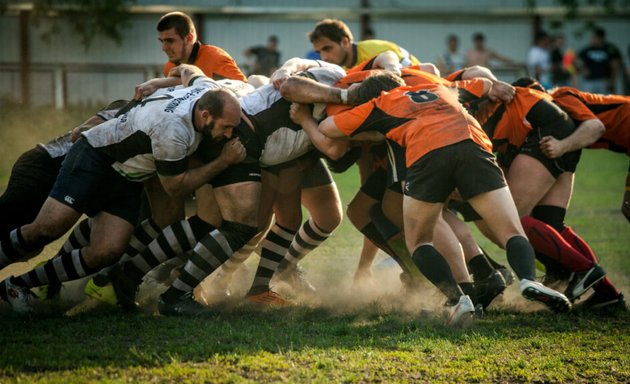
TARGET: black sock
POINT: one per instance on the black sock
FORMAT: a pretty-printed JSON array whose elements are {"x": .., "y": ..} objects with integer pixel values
[
  {"x": 468, "y": 289},
  {"x": 437, "y": 270},
  {"x": 521, "y": 257},
  {"x": 480, "y": 267}
]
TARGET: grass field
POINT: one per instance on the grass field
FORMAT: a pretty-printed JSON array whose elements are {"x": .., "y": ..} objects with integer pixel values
[{"x": 340, "y": 336}]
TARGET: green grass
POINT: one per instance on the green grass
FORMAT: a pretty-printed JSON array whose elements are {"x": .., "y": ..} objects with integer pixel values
[{"x": 340, "y": 337}]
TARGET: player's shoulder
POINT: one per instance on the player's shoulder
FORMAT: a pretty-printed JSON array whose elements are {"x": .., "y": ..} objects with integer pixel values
[{"x": 207, "y": 49}]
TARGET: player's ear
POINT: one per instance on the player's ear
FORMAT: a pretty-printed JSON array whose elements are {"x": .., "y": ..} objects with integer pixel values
[
  {"x": 345, "y": 42},
  {"x": 190, "y": 37}
]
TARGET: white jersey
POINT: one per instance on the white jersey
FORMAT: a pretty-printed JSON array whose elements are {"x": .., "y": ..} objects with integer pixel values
[
  {"x": 155, "y": 136},
  {"x": 60, "y": 145},
  {"x": 281, "y": 138}
]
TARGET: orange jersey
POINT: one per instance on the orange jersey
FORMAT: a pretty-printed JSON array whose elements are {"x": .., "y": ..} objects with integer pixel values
[
  {"x": 419, "y": 118},
  {"x": 469, "y": 89},
  {"x": 213, "y": 61},
  {"x": 507, "y": 123},
  {"x": 612, "y": 110}
]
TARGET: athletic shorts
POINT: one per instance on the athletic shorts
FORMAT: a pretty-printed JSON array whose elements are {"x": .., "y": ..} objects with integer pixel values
[
  {"x": 396, "y": 171},
  {"x": 237, "y": 173},
  {"x": 32, "y": 177},
  {"x": 316, "y": 174},
  {"x": 463, "y": 165},
  {"x": 547, "y": 119},
  {"x": 88, "y": 184},
  {"x": 465, "y": 209}
]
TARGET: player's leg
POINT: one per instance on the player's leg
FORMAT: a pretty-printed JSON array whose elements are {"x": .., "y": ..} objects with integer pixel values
[{"x": 625, "y": 206}]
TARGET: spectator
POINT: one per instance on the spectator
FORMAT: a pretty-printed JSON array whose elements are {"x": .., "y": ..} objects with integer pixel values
[
  {"x": 539, "y": 60},
  {"x": 599, "y": 63},
  {"x": 451, "y": 60},
  {"x": 482, "y": 55},
  {"x": 562, "y": 69},
  {"x": 267, "y": 58}
]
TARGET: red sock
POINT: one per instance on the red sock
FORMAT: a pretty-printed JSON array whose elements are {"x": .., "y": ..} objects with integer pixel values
[
  {"x": 546, "y": 240},
  {"x": 605, "y": 286}
]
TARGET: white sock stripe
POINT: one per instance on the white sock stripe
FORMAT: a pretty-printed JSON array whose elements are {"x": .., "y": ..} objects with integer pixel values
[
  {"x": 178, "y": 284},
  {"x": 204, "y": 253},
  {"x": 275, "y": 248},
  {"x": 298, "y": 249},
  {"x": 135, "y": 244},
  {"x": 288, "y": 236},
  {"x": 189, "y": 232},
  {"x": 41, "y": 273},
  {"x": 269, "y": 264},
  {"x": 59, "y": 269},
  {"x": 76, "y": 262},
  {"x": 156, "y": 251},
  {"x": 16, "y": 243},
  {"x": 317, "y": 230},
  {"x": 196, "y": 272},
  {"x": 220, "y": 238},
  {"x": 78, "y": 234},
  {"x": 148, "y": 228},
  {"x": 172, "y": 241}
]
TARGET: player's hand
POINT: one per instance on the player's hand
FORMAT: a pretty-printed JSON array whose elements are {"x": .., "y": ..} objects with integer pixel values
[
  {"x": 279, "y": 77},
  {"x": 76, "y": 133},
  {"x": 299, "y": 113},
  {"x": 144, "y": 89},
  {"x": 233, "y": 151},
  {"x": 552, "y": 147},
  {"x": 501, "y": 91}
]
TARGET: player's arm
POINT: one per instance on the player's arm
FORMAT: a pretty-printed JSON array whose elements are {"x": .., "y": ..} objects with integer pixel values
[
  {"x": 303, "y": 90},
  {"x": 290, "y": 67},
  {"x": 332, "y": 148},
  {"x": 389, "y": 61},
  {"x": 150, "y": 86},
  {"x": 191, "y": 179},
  {"x": 587, "y": 133}
]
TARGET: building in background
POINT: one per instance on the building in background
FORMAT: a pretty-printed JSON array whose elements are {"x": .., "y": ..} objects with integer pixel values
[{"x": 62, "y": 71}]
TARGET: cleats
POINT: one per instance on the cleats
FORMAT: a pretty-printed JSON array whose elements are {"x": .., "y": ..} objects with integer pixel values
[
  {"x": 580, "y": 282},
  {"x": 598, "y": 302},
  {"x": 294, "y": 276},
  {"x": 508, "y": 276},
  {"x": 20, "y": 298},
  {"x": 104, "y": 294},
  {"x": 267, "y": 297},
  {"x": 461, "y": 313},
  {"x": 554, "y": 300},
  {"x": 489, "y": 288},
  {"x": 185, "y": 305}
]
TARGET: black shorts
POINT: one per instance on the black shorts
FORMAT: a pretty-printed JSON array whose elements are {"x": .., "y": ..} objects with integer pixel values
[
  {"x": 237, "y": 173},
  {"x": 316, "y": 174},
  {"x": 463, "y": 165},
  {"x": 396, "y": 170},
  {"x": 32, "y": 177},
  {"x": 88, "y": 183},
  {"x": 547, "y": 119}
]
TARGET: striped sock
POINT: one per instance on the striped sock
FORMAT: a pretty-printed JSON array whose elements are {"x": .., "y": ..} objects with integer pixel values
[
  {"x": 274, "y": 248},
  {"x": 61, "y": 268},
  {"x": 14, "y": 248},
  {"x": 309, "y": 237}
]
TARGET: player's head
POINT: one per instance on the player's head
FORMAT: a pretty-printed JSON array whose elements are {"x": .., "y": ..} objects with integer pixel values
[
  {"x": 219, "y": 112},
  {"x": 479, "y": 40},
  {"x": 372, "y": 86},
  {"x": 332, "y": 39},
  {"x": 599, "y": 36},
  {"x": 176, "y": 32},
  {"x": 452, "y": 41},
  {"x": 529, "y": 82}
]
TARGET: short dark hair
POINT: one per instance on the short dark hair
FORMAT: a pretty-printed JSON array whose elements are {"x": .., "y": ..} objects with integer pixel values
[
  {"x": 479, "y": 36},
  {"x": 529, "y": 82},
  {"x": 333, "y": 29},
  {"x": 273, "y": 38},
  {"x": 182, "y": 23},
  {"x": 372, "y": 86},
  {"x": 600, "y": 32},
  {"x": 214, "y": 101}
]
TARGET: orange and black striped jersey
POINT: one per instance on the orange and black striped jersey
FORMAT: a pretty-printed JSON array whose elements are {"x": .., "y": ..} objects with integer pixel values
[
  {"x": 420, "y": 118},
  {"x": 612, "y": 110},
  {"x": 507, "y": 123},
  {"x": 213, "y": 61}
]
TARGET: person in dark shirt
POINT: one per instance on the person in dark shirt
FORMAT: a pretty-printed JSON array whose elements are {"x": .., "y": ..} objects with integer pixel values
[
  {"x": 599, "y": 63},
  {"x": 267, "y": 57}
]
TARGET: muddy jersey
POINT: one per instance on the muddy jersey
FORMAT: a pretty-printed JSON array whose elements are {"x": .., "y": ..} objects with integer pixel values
[
  {"x": 156, "y": 135},
  {"x": 419, "y": 118},
  {"x": 281, "y": 138},
  {"x": 612, "y": 110},
  {"x": 213, "y": 61}
]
